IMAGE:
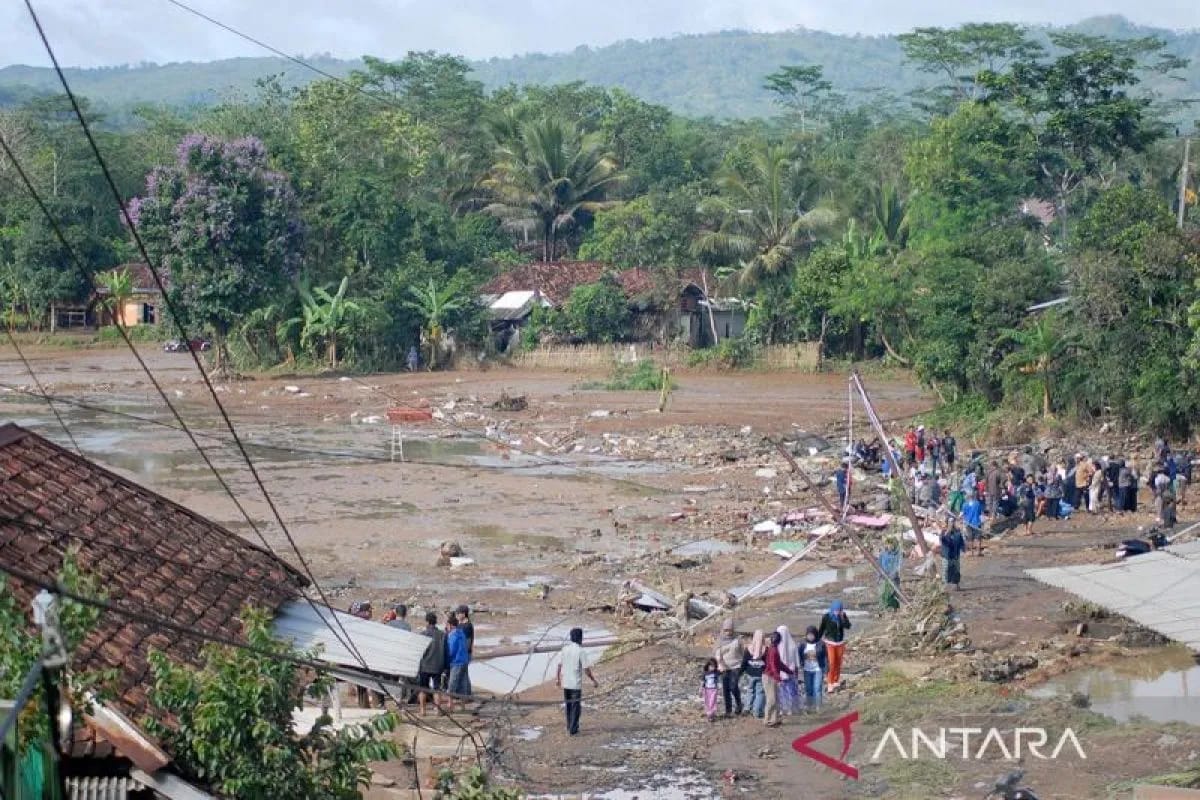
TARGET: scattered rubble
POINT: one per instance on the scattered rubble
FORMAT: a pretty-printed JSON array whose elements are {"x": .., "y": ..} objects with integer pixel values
[{"x": 507, "y": 402}]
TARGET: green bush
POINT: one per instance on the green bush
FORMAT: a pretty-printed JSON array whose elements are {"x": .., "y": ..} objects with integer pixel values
[
  {"x": 645, "y": 376},
  {"x": 597, "y": 312},
  {"x": 729, "y": 354},
  {"x": 109, "y": 334}
]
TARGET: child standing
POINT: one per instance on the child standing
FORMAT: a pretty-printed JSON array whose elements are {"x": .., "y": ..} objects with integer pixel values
[{"x": 712, "y": 685}]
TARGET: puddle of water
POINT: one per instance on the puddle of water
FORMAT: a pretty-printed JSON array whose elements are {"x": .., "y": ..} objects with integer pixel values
[
  {"x": 495, "y": 535},
  {"x": 710, "y": 547},
  {"x": 813, "y": 579},
  {"x": 1162, "y": 687},
  {"x": 680, "y": 784},
  {"x": 529, "y": 734}
]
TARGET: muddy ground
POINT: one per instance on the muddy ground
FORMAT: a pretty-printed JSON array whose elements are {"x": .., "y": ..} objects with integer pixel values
[{"x": 560, "y": 503}]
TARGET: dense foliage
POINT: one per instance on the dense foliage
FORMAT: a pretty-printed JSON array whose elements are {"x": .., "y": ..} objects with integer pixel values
[
  {"x": 1033, "y": 166},
  {"x": 233, "y": 728}
]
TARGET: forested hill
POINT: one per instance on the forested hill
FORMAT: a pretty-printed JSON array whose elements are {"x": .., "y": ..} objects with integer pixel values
[{"x": 718, "y": 74}]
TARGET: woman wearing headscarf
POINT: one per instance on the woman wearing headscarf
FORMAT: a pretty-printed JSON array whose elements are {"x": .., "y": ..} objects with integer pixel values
[
  {"x": 789, "y": 687},
  {"x": 774, "y": 672},
  {"x": 729, "y": 655},
  {"x": 832, "y": 631},
  {"x": 754, "y": 661}
]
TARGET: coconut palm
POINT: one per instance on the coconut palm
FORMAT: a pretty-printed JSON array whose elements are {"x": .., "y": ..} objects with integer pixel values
[
  {"x": 433, "y": 305},
  {"x": 547, "y": 176},
  {"x": 1041, "y": 345},
  {"x": 758, "y": 220}
]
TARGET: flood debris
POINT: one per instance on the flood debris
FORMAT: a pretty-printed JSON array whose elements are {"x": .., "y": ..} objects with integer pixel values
[
  {"x": 926, "y": 624},
  {"x": 507, "y": 402}
]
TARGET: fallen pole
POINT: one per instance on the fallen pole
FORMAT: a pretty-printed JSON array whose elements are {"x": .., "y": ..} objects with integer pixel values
[
  {"x": 891, "y": 458},
  {"x": 853, "y": 534}
]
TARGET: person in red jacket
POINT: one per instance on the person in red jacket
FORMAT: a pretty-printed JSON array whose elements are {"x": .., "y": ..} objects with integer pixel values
[
  {"x": 910, "y": 446},
  {"x": 773, "y": 672}
]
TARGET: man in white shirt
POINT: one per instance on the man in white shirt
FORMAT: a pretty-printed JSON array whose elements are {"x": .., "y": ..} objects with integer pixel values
[{"x": 572, "y": 666}]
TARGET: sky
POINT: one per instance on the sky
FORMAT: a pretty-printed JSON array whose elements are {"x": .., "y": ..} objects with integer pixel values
[{"x": 113, "y": 32}]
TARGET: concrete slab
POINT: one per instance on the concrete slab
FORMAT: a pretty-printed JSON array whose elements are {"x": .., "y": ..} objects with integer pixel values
[{"x": 1159, "y": 590}]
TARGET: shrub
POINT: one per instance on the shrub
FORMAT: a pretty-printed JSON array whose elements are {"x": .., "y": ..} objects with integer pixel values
[
  {"x": 597, "y": 312},
  {"x": 645, "y": 376}
]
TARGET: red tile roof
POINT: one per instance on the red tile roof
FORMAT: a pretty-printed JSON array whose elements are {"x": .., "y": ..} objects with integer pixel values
[
  {"x": 556, "y": 280},
  {"x": 147, "y": 553}
]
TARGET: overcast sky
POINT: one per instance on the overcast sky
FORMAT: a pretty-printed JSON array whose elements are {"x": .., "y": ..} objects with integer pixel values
[{"x": 109, "y": 32}]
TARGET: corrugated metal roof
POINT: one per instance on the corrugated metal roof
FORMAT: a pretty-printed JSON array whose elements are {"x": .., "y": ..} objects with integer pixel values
[
  {"x": 1159, "y": 590},
  {"x": 388, "y": 650}
]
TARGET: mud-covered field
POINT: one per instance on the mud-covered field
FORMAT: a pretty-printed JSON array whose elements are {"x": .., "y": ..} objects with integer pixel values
[{"x": 558, "y": 504}]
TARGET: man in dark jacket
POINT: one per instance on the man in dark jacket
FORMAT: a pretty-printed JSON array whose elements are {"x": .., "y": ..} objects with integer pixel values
[{"x": 433, "y": 662}]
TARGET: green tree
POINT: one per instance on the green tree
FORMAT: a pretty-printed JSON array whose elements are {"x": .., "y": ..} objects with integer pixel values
[
  {"x": 551, "y": 179},
  {"x": 758, "y": 221},
  {"x": 965, "y": 57},
  {"x": 434, "y": 305},
  {"x": 232, "y": 726},
  {"x": 226, "y": 228},
  {"x": 118, "y": 285},
  {"x": 803, "y": 90},
  {"x": 325, "y": 318},
  {"x": 597, "y": 312},
  {"x": 1040, "y": 348},
  {"x": 651, "y": 230},
  {"x": 22, "y": 646}
]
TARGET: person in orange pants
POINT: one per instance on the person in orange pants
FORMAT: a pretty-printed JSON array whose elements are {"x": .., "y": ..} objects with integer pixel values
[{"x": 832, "y": 630}]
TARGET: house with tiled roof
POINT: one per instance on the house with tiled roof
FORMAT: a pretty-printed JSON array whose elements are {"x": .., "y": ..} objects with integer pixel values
[
  {"x": 158, "y": 558},
  {"x": 668, "y": 305}
]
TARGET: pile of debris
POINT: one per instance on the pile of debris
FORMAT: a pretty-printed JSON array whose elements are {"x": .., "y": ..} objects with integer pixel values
[{"x": 926, "y": 623}]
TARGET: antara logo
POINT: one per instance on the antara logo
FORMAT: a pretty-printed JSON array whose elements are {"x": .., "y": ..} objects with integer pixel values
[{"x": 963, "y": 743}]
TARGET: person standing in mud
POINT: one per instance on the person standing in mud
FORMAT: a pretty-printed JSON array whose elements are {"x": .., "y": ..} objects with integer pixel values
[
  {"x": 754, "y": 662},
  {"x": 459, "y": 659},
  {"x": 832, "y": 631},
  {"x": 572, "y": 666},
  {"x": 730, "y": 655},
  {"x": 774, "y": 673},
  {"x": 464, "y": 622},
  {"x": 889, "y": 562},
  {"x": 953, "y": 545},
  {"x": 993, "y": 483}
]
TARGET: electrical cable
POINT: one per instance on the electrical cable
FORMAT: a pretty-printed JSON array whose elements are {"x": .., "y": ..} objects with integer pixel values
[
  {"x": 294, "y": 59},
  {"x": 176, "y": 317},
  {"x": 49, "y": 402}
]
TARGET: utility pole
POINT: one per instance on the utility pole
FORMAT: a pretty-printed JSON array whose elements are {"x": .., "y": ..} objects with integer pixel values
[{"x": 1183, "y": 178}]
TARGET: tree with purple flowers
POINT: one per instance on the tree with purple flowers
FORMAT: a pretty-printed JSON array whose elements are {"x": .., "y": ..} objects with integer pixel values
[{"x": 225, "y": 228}]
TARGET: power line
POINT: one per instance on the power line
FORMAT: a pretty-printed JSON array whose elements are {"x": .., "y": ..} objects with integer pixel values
[
  {"x": 294, "y": 59},
  {"x": 173, "y": 312},
  {"x": 49, "y": 402}
]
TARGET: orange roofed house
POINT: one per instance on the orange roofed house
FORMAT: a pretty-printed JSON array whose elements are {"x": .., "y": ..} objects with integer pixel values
[{"x": 151, "y": 555}]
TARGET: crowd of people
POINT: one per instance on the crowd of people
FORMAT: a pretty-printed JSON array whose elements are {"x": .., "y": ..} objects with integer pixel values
[
  {"x": 445, "y": 664},
  {"x": 781, "y": 677},
  {"x": 1011, "y": 492}
]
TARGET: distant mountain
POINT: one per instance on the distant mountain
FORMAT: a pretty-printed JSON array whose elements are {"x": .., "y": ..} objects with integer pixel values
[{"x": 717, "y": 74}]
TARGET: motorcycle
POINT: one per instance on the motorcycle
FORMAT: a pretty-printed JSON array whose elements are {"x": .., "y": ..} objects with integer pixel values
[
  {"x": 1008, "y": 788},
  {"x": 180, "y": 346}
]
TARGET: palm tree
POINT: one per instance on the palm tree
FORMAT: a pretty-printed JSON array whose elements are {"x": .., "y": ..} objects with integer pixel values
[
  {"x": 325, "y": 318},
  {"x": 547, "y": 176},
  {"x": 1040, "y": 346},
  {"x": 118, "y": 285},
  {"x": 433, "y": 305},
  {"x": 759, "y": 217}
]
